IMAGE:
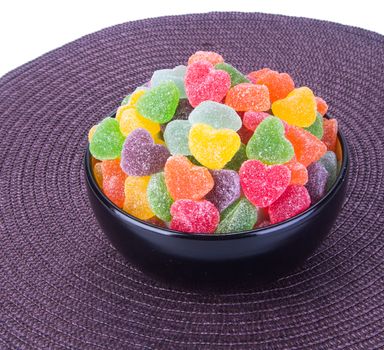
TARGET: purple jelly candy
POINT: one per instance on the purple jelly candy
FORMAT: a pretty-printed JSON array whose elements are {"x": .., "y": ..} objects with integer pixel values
[
  {"x": 141, "y": 156},
  {"x": 317, "y": 181},
  {"x": 226, "y": 189},
  {"x": 183, "y": 110}
]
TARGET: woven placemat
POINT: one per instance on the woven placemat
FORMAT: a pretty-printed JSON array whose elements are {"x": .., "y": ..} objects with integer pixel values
[{"x": 62, "y": 286}]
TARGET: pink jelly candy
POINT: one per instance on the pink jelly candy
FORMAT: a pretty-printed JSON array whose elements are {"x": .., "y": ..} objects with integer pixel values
[
  {"x": 252, "y": 119},
  {"x": 263, "y": 184},
  {"x": 203, "y": 82},
  {"x": 293, "y": 201},
  {"x": 194, "y": 216}
]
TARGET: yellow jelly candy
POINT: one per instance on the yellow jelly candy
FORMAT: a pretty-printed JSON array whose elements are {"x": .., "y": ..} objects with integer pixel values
[
  {"x": 136, "y": 203},
  {"x": 212, "y": 147},
  {"x": 131, "y": 119},
  {"x": 298, "y": 108},
  {"x": 92, "y": 132},
  {"x": 158, "y": 140},
  {"x": 135, "y": 96}
]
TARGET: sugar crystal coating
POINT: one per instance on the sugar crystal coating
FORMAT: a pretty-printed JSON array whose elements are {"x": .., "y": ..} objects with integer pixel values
[
  {"x": 317, "y": 126},
  {"x": 321, "y": 105},
  {"x": 141, "y": 156},
  {"x": 268, "y": 144},
  {"x": 293, "y": 201},
  {"x": 113, "y": 181},
  {"x": 226, "y": 188},
  {"x": 299, "y": 173},
  {"x": 245, "y": 97},
  {"x": 330, "y": 133},
  {"x": 317, "y": 181},
  {"x": 136, "y": 202},
  {"x": 176, "y": 74},
  {"x": 252, "y": 119},
  {"x": 130, "y": 119},
  {"x": 91, "y": 133},
  {"x": 240, "y": 216},
  {"x": 176, "y": 136},
  {"x": 236, "y": 76},
  {"x": 209, "y": 56},
  {"x": 329, "y": 161},
  {"x": 158, "y": 197},
  {"x": 194, "y": 216}
]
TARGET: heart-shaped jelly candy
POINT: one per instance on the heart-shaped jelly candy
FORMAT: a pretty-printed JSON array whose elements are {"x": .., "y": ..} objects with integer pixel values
[
  {"x": 215, "y": 114},
  {"x": 213, "y": 148},
  {"x": 141, "y": 156},
  {"x": 317, "y": 181},
  {"x": 236, "y": 76},
  {"x": 160, "y": 102},
  {"x": 194, "y": 216},
  {"x": 268, "y": 144},
  {"x": 113, "y": 179},
  {"x": 252, "y": 119},
  {"x": 245, "y": 97},
  {"x": 209, "y": 56},
  {"x": 298, "y": 108},
  {"x": 158, "y": 197},
  {"x": 176, "y": 74},
  {"x": 316, "y": 128},
  {"x": 299, "y": 173},
  {"x": 107, "y": 140},
  {"x": 226, "y": 189},
  {"x": 130, "y": 119},
  {"x": 185, "y": 180},
  {"x": 176, "y": 136},
  {"x": 263, "y": 184},
  {"x": 203, "y": 82}
]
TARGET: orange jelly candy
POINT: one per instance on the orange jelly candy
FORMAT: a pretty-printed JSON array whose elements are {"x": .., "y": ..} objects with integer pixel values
[
  {"x": 246, "y": 96},
  {"x": 185, "y": 180},
  {"x": 321, "y": 105},
  {"x": 113, "y": 181},
  {"x": 299, "y": 173},
  {"x": 278, "y": 84},
  {"x": 330, "y": 128},
  {"x": 211, "y": 57},
  {"x": 308, "y": 148}
]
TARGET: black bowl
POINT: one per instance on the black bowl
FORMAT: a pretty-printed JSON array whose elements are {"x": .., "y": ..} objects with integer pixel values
[{"x": 265, "y": 253}]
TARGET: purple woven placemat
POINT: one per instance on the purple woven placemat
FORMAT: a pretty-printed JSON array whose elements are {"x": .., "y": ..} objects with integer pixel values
[{"x": 62, "y": 286}]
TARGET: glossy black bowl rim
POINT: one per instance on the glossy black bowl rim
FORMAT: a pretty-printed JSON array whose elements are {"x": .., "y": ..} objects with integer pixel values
[{"x": 263, "y": 231}]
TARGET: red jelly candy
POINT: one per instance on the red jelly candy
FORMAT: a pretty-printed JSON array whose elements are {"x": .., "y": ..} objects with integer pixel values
[
  {"x": 293, "y": 201},
  {"x": 278, "y": 84},
  {"x": 321, "y": 105},
  {"x": 330, "y": 133},
  {"x": 113, "y": 181},
  {"x": 245, "y": 134},
  {"x": 194, "y": 216},
  {"x": 203, "y": 82},
  {"x": 263, "y": 184},
  {"x": 246, "y": 96},
  {"x": 252, "y": 119}
]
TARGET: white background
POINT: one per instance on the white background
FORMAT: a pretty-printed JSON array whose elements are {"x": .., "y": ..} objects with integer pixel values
[{"x": 30, "y": 28}]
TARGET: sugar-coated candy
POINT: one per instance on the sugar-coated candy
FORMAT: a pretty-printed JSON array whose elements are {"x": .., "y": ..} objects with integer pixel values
[
  {"x": 226, "y": 189},
  {"x": 176, "y": 136},
  {"x": 98, "y": 174},
  {"x": 246, "y": 96},
  {"x": 203, "y": 82},
  {"x": 252, "y": 119},
  {"x": 292, "y": 202},
  {"x": 278, "y": 84},
  {"x": 268, "y": 144},
  {"x": 130, "y": 119},
  {"x": 131, "y": 100},
  {"x": 308, "y": 148},
  {"x": 298, "y": 108},
  {"x": 330, "y": 133},
  {"x": 236, "y": 76},
  {"x": 141, "y": 156},
  {"x": 160, "y": 102},
  {"x": 263, "y": 184},
  {"x": 107, "y": 141},
  {"x": 158, "y": 197},
  {"x": 91, "y": 132},
  {"x": 299, "y": 173},
  {"x": 317, "y": 126},
  {"x": 136, "y": 202},
  {"x": 176, "y": 74},
  {"x": 322, "y": 106},
  {"x": 113, "y": 181},
  {"x": 317, "y": 181},
  {"x": 194, "y": 216},
  {"x": 183, "y": 111},
  {"x": 240, "y": 216},
  {"x": 185, "y": 180},
  {"x": 216, "y": 115},
  {"x": 209, "y": 56},
  {"x": 155, "y": 221},
  {"x": 213, "y": 148},
  {"x": 239, "y": 158},
  {"x": 329, "y": 162}
]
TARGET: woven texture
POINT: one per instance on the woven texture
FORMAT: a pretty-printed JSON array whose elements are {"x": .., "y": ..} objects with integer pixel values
[{"x": 62, "y": 286}]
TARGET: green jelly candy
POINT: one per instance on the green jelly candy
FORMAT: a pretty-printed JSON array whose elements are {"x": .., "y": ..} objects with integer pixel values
[
  {"x": 239, "y": 216},
  {"x": 268, "y": 143},
  {"x": 159, "y": 103},
  {"x": 239, "y": 158},
  {"x": 159, "y": 198},
  {"x": 176, "y": 74},
  {"x": 217, "y": 115},
  {"x": 176, "y": 136},
  {"x": 236, "y": 76},
  {"x": 107, "y": 141},
  {"x": 329, "y": 162},
  {"x": 317, "y": 127},
  {"x": 125, "y": 100}
]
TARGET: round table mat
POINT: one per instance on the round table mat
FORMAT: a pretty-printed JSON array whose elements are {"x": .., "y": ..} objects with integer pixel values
[{"x": 63, "y": 286}]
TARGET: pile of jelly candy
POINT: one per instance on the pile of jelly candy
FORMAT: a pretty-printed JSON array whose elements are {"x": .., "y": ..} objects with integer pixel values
[{"x": 204, "y": 148}]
